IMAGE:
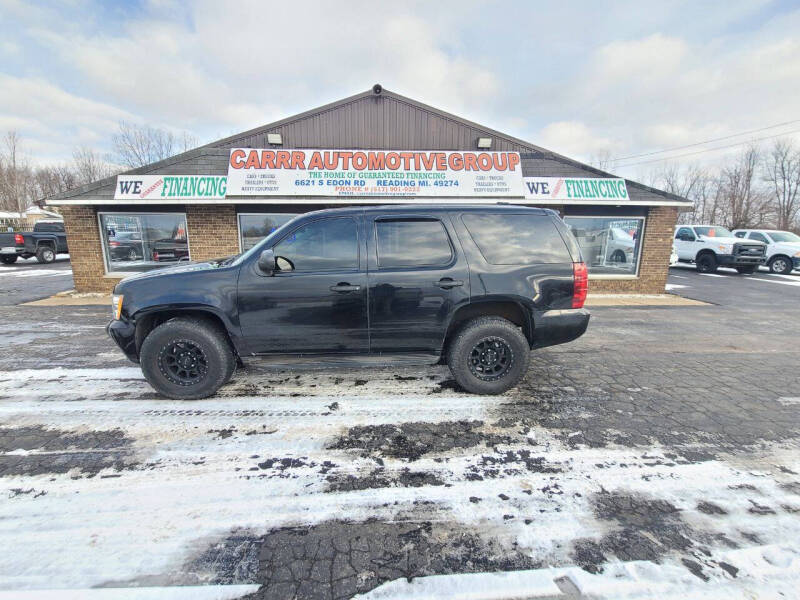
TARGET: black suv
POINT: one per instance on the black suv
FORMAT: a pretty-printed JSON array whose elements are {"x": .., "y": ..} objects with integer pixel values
[{"x": 476, "y": 286}]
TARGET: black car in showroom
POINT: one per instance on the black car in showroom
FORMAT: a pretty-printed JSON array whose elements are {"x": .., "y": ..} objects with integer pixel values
[{"x": 475, "y": 286}]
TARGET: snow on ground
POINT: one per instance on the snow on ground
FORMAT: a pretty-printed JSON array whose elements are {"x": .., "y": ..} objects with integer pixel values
[{"x": 168, "y": 480}]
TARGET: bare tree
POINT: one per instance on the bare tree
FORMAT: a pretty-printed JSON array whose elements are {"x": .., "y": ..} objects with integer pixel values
[
  {"x": 602, "y": 160},
  {"x": 745, "y": 204},
  {"x": 51, "y": 180},
  {"x": 140, "y": 145},
  {"x": 782, "y": 173},
  {"x": 89, "y": 166},
  {"x": 15, "y": 175}
]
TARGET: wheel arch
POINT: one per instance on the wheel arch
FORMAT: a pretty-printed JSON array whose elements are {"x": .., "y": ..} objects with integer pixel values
[
  {"x": 148, "y": 319},
  {"x": 506, "y": 308}
]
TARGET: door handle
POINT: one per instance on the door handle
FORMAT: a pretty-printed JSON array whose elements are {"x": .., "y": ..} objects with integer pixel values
[
  {"x": 446, "y": 283},
  {"x": 343, "y": 288}
]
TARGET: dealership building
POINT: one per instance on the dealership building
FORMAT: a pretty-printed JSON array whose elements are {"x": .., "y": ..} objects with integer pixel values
[{"x": 377, "y": 147}]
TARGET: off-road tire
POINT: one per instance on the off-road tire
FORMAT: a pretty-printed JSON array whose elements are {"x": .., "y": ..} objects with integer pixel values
[
  {"x": 488, "y": 330},
  {"x": 9, "y": 259},
  {"x": 746, "y": 270},
  {"x": 706, "y": 263},
  {"x": 207, "y": 338},
  {"x": 780, "y": 264},
  {"x": 45, "y": 255}
]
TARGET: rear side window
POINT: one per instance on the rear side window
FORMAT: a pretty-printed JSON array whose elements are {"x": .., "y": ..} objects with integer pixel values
[
  {"x": 516, "y": 239},
  {"x": 760, "y": 237},
  {"x": 412, "y": 243},
  {"x": 52, "y": 227}
]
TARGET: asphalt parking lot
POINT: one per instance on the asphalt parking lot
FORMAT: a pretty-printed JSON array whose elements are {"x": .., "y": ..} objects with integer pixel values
[{"x": 657, "y": 456}]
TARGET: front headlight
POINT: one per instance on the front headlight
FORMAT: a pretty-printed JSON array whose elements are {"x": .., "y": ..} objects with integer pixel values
[
  {"x": 116, "y": 305},
  {"x": 797, "y": 254},
  {"x": 725, "y": 248}
]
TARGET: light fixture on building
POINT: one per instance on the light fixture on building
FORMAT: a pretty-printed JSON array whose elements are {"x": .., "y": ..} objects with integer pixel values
[
  {"x": 274, "y": 139},
  {"x": 485, "y": 143}
]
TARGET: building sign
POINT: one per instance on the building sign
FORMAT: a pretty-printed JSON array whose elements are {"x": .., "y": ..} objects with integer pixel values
[
  {"x": 270, "y": 172},
  {"x": 574, "y": 188},
  {"x": 169, "y": 187}
]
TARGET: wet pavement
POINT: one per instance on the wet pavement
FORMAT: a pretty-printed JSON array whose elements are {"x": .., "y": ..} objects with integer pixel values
[{"x": 657, "y": 455}]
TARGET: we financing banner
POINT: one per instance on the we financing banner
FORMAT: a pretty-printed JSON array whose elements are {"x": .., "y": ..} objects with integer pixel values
[
  {"x": 270, "y": 172},
  {"x": 169, "y": 187},
  {"x": 574, "y": 188}
]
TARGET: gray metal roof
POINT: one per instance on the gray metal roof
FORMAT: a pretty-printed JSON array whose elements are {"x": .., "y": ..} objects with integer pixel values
[{"x": 368, "y": 121}]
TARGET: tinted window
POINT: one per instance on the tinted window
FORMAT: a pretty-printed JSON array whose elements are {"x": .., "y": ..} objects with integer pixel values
[
  {"x": 516, "y": 239},
  {"x": 412, "y": 243},
  {"x": 255, "y": 228},
  {"x": 55, "y": 227},
  {"x": 740, "y": 234},
  {"x": 754, "y": 235},
  {"x": 684, "y": 232},
  {"x": 326, "y": 245}
]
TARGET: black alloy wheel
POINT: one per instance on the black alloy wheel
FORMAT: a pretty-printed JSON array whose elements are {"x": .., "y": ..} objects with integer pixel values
[
  {"x": 183, "y": 362},
  {"x": 490, "y": 359}
]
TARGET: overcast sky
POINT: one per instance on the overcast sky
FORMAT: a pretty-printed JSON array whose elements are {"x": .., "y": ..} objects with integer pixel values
[{"x": 580, "y": 78}]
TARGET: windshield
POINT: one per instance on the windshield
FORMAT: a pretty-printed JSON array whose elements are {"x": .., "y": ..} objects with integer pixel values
[
  {"x": 713, "y": 231},
  {"x": 239, "y": 259},
  {"x": 784, "y": 236}
]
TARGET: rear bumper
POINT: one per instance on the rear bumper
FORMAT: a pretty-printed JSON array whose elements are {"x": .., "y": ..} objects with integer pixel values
[
  {"x": 124, "y": 334},
  {"x": 735, "y": 260},
  {"x": 553, "y": 327}
]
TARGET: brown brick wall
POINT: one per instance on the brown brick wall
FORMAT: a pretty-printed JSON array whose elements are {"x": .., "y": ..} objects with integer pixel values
[
  {"x": 657, "y": 243},
  {"x": 85, "y": 249},
  {"x": 213, "y": 232}
]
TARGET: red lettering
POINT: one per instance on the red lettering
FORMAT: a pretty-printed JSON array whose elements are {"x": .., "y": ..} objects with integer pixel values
[
  {"x": 282, "y": 159},
  {"x": 237, "y": 157},
  {"x": 330, "y": 160},
  {"x": 252, "y": 160},
  {"x": 298, "y": 159},
  {"x": 485, "y": 161},
  {"x": 455, "y": 161},
  {"x": 315, "y": 162},
  {"x": 441, "y": 161},
  {"x": 407, "y": 156},
  {"x": 359, "y": 161},
  {"x": 470, "y": 162},
  {"x": 377, "y": 161},
  {"x": 393, "y": 161},
  {"x": 427, "y": 161},
  {"x": 513, "y": 161},
  {"x": 500, "y": 161},
  {"x": 267, "y": 159},
  {"x": 345, "y": 157}
]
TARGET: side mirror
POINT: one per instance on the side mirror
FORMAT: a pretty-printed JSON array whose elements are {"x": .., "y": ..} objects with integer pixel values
[{"x": 266, "y": 262}]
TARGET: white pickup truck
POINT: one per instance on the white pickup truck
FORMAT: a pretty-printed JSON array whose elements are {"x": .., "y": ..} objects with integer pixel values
[
  {"x": 709, "y": 247},
  {"x": 783, "y": 247}
]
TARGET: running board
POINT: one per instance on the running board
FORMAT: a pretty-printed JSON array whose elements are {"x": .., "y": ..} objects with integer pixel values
[{"x": 317, "y": 361}]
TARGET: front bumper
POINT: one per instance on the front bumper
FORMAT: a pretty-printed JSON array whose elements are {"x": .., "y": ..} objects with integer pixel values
[
  {"x": 551, "y": 327},
  {"x": 796, "y": 263},
  {"x": 739, "y": 260},
  {"x": 124, "y": 334}
]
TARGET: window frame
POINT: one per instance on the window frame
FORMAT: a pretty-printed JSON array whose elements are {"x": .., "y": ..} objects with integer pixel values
[
  {"x": 412, "y": 217},
  {"x": 295, "y": 272},
  {"x": 256, "y": 214},
  {"x": 104, "y": 238},
  {"x": 642, "y": 218},
  {"x": 766, "y": 239}
]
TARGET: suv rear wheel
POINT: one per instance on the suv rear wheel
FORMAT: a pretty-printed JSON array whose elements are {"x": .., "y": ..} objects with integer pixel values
[
  {"x": 488, "y": 356},
  {"x": 187, "y": 359}
]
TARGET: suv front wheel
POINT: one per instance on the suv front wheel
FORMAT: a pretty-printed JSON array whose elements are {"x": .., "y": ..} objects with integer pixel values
[
  {"x": 489, "y": 355},
  {"x": 186, "y": 359}
]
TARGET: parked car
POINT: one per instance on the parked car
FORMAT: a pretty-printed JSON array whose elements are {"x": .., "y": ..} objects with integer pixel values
[
  {"x": 477, "y": 287},
  {"x": 126, "y": 245},
  {"x": 620, "y": 246},
  {"x": 710, "y": 246},
  {"x": 47, "y": 240},
  {"x": 170, "y": 250},
  {"x": 783, "y": 247}
]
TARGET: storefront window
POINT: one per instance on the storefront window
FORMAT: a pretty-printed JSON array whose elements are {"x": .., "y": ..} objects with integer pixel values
[
  {"x": 610, "y": 245},
  {"x": 255, "y": 227},
  {"x": 139, "y": 242}
]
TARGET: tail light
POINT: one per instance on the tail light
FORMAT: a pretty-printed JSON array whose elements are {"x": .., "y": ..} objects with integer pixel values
[
  {"x": 18, "y": 239},
  {"x": 113, "y": 244},
  {"x": 581, "y": 284},
  {"x": 155, "y": 255}
]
